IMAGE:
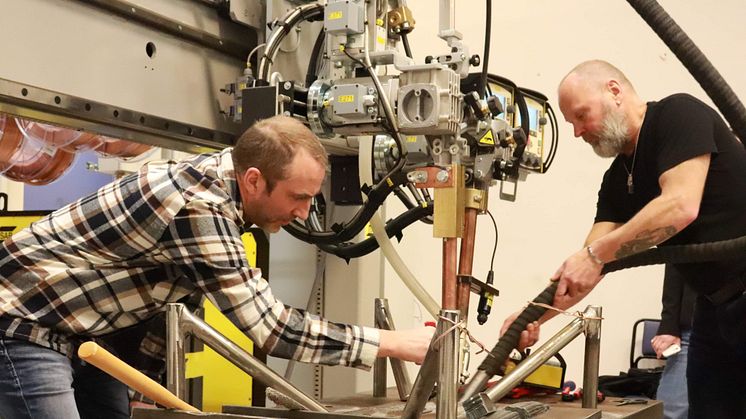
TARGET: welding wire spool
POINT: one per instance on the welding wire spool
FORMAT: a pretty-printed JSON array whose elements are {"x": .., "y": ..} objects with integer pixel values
[
  {"x": 92, "y": 353},
  {"x": 24, "y": 159},
  {"x": 10, "y": 141}
]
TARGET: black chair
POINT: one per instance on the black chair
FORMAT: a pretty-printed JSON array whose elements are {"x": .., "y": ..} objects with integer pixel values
[{"x": 649, "y": 330}]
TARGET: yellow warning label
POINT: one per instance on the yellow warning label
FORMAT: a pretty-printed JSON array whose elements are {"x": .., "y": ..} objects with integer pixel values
[
  {"x": 488, "y": 138},
  {"x": 346, "y": 99},
  {"x": 411, "y": 138},
  {"x": 335, "y": 15}
]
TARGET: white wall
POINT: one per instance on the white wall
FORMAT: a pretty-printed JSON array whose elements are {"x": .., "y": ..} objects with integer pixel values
[{"x": 535, "y": 43}]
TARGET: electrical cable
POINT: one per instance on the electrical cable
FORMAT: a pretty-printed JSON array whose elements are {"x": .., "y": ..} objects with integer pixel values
[
  {"x": 313, "y": 63},
  {"x": 494, "y": 250},
  {"x": 486, "y": 54},
  {"x": 393, "y": 228},
  {"x": 253, "y": 51},
  {"x": 555, "y": 137}
]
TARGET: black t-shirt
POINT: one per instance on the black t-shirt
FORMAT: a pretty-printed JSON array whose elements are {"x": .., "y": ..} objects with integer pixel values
[{"x": 675, "y": 129}]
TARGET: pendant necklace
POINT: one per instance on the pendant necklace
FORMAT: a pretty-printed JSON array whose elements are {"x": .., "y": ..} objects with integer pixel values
[{"x": 630, "y": 182}]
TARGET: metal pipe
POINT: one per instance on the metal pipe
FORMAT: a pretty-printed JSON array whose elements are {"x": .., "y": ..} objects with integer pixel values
[
  {"x": 379, "y": 367},
  {"x": 449, "y": 274},
  {"x": 448, "y": 361},
  {"x": 592, "y": 356},
  {"x": 424, "y": 383},
  {"x": 175, "y": 377},
  {"x": 190, "y": 324},
  {"x": 385, "y": 321},
  {"x": 536, "y": 359}
]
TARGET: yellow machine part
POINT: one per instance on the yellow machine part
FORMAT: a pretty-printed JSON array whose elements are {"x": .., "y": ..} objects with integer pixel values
[
  {"x": 222, "y": 382},
  {"x": 549, "y": 375}
]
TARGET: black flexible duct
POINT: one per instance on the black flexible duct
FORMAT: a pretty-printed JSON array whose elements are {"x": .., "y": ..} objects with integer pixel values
[
  {"x": 695, "y": 61},
  {"x": 703, "y": 252},
  {"x": 394, "y": 227}
]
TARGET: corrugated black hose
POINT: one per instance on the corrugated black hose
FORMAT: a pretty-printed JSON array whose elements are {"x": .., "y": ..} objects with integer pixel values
[
  {"x": 695, "y": 61},
  {"x": 721, "y": 250}
]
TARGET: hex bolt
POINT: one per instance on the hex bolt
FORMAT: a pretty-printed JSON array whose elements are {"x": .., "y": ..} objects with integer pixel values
[{"x": 442, "y": 176}]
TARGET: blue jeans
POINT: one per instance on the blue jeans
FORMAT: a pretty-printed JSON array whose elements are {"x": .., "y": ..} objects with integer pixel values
[
  {"x": 717, "y": 360},
  {"x": 40, "y": 383},
  {"x": 672, "y": 387}
]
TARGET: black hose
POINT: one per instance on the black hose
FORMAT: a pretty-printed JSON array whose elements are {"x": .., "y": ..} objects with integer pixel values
[
  {"x": 342, "y": 233},
  {"x": 313, "y": 63},
  {"x": 692, "y": 253},
  {"x": 394, "y": 227},
  {"x": 695, "y": 61}
]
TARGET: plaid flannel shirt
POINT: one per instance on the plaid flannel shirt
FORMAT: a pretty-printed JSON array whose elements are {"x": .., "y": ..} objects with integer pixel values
[{"x": 115, "y": 258}]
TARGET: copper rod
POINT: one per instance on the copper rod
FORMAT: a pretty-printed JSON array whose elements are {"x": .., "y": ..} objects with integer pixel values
[
  {"x": 450, "y": 247},
  {"x": 466, "y": 259}
]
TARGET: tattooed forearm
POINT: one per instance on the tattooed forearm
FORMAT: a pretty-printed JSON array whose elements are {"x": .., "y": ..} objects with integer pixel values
[{"x": 645, "y": 240}]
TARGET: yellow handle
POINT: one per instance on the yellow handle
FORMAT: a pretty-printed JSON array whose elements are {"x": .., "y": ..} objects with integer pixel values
[{"x": 93, "y": 354}]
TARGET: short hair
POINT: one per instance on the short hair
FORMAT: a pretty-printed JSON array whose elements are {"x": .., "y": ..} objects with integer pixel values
[
  {"x": 270, "y": 146},
  {"x": 597, "y": 73}
]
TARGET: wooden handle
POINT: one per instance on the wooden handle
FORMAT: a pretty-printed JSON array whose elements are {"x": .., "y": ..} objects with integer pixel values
[{"x": 92, "y": 353}]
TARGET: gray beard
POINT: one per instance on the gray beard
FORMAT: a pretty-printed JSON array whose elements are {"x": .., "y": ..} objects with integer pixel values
[{"x": 613, "y": 136}]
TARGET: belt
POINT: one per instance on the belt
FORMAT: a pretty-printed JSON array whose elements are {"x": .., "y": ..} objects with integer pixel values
[{"x": 728, "y": 291}]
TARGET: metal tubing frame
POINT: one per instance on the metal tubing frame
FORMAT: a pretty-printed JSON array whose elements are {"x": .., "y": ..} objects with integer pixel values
[
  {"x": 590, "y": 323},
  {"x": 180, "y": 323},
  {"x": 448, "y": 364},
  {"x": 592, "y": 356},
  {"x": 383, "y": 320},
  {"x": 425, "y": 381}
]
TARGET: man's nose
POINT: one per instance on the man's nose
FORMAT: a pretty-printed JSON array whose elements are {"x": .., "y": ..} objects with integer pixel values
[
  {"x": 302, "y": 211},
  {"x": 579, "y": 131}
]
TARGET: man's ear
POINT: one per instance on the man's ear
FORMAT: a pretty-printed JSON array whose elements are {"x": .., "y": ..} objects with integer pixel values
[
  {"x": 614, "y": 87},
  {"x": 252, "y": 180}
]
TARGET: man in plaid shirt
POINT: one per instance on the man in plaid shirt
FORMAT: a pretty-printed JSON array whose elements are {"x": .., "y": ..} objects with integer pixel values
[{"x": 173, "y": 230}]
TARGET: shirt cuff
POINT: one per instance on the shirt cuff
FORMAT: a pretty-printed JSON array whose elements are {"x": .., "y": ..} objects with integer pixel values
[{"x": 368, "y": 350}]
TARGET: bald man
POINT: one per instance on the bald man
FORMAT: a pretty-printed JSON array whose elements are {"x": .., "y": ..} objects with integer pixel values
[{"x": 678, "y": 177}]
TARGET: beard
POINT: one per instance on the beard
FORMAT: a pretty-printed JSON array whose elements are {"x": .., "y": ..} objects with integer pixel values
[{"x": 613, "y": 135}]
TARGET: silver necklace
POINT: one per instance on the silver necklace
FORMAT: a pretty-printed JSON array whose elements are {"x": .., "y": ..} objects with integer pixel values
[{"x": 630, "y": 181}]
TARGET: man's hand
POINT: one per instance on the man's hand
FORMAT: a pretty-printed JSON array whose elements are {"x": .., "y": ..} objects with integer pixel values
[
  {"x": 528, "y": 337},
  {"x": 407, "y": 345},
  {"x": 577, "y": 276},
  {"x": 662, "y": 342}
]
